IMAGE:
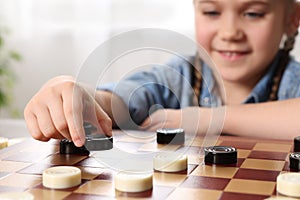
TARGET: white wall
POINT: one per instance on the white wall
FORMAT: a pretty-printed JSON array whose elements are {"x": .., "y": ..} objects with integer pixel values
[{"x": 55, "y": 37}]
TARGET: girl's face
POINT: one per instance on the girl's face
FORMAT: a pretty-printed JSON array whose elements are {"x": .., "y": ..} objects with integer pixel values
[{"x": 241, "y": 36}]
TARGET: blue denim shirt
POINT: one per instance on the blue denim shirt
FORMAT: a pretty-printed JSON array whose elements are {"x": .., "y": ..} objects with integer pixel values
[{"x": 170, "y": 86}]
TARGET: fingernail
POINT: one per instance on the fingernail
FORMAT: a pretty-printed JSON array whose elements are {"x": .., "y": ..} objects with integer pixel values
[
  {"x": 108, "y": 129},
  {"x": 79, "y": 142}
]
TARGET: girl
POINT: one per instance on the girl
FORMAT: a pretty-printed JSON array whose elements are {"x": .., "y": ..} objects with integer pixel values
[{"x": 242, "y": 37}]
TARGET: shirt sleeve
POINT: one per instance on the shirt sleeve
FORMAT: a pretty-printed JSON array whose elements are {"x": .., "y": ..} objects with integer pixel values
[{"x": 164, "y": 86}]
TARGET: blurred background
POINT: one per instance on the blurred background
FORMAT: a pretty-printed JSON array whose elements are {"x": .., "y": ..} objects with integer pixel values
[
  {"x": 43, "y": 39},
  {"x": 55, "y": 37}
]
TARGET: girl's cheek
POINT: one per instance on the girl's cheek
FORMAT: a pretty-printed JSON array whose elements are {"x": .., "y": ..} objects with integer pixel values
[
  {"x": 203, "y": 38},
  {"x": 204, "y": 33}
]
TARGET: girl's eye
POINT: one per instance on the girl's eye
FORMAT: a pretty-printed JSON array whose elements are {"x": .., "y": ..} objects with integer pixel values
[
  {"x": 254, "y": 15},
  {"x": 211, "y": 13}
]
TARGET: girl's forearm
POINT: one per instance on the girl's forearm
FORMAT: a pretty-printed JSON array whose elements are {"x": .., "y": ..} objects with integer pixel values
[{"x": 276, "y": 120}]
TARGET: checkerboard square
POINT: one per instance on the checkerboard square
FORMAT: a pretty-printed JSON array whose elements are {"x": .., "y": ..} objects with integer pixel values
[
  {"x": 21, "y": 180},
  {"x": 12, "y": 166},
  {"x": 254, "y": 174},
  {"x": 242, "y": 153},
  {"x": 11, "y": 189},
  {"x": 48, "y": 194},
  {"x": 205, "y": 182},
  {"x": 190, "y": 193},
  {"x": 36, "y": 168},
  {"x": 157, "y": 192},
  {"x": 97, "y": 187},
  {"x": 63, "y": 159},
  {"x": 168, "y": 179},
  {"x": 78, "y": 196},
  {"x": 268, "y": 155},
  {"x": 273, "y": 147},
  {"x": 250, "y": 187},
  {"x": 263, "y": 164},
  {"x": 28, "y": 156},
  {"x": 215, "y": 171},
  {"x": 239, "y": 196}
]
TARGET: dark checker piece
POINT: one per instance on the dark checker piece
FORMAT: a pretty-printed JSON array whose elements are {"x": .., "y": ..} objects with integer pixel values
[
  {"x": 294, "y": 161},
  {"x": 220, "y": 155},
  {"x": 68, "y": 147},
  {"x": 297, "y": 144},
  {"x": 170, "y": 136},
  {"x": 98, "y": 142}
]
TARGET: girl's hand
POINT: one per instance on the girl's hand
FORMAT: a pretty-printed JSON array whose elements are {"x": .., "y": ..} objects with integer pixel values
[
  {"x": 59, "y": 109},
  {"x": 187, "y": 118}
]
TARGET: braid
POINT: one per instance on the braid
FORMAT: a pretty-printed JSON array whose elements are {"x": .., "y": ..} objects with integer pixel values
[
  {"x": 197, "y": 77},
  {"x": 285, "y": 57}
]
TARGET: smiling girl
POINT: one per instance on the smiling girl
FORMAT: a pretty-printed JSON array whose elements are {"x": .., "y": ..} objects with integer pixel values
[{"x": 242, "y": 37}]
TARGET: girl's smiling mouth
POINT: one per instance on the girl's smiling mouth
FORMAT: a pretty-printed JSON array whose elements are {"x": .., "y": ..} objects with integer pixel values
[{"x": 232, "y": 55}]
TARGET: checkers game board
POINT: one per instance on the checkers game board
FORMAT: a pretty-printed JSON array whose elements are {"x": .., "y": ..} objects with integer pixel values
[{"x": 253, "y": 177}]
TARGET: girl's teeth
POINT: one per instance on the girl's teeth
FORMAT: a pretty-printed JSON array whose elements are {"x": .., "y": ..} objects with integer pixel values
[{"x": 230, "y": 54}]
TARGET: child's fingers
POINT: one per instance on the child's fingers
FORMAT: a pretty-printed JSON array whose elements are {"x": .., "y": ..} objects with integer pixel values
[
  {"x": 94, "y": 114},
  {"x": 58, "y": 117},
  {"x": 33, "y": 127},
  {"x": 45, "y": 122},
  {"x": 146, "y": 124},
  {"x": 149, "y": 123},
  {"x": 73, "y": 107},
  {"x": 104, "y": 120},
  {"x": 152, "y": 127}
]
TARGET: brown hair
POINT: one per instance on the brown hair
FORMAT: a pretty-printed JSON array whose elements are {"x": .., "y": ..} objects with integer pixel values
[{"x": 284, "y": 60}]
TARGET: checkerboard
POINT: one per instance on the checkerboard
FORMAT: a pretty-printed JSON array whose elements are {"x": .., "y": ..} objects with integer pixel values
[{"x": 253, "y": 177}]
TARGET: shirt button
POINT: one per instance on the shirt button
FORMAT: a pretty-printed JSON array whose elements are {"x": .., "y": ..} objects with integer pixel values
[{"x": 206, "y": 100}]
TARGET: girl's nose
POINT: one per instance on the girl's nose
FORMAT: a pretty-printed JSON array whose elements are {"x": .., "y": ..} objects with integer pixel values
[{"x": 230, "y": 29}]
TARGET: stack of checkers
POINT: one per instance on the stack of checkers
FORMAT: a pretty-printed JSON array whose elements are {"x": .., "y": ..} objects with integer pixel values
[
  {"x": 288, "y": 183},
  {"x": 295, "y": 156},
  {"x": 220, "y": 155}
]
